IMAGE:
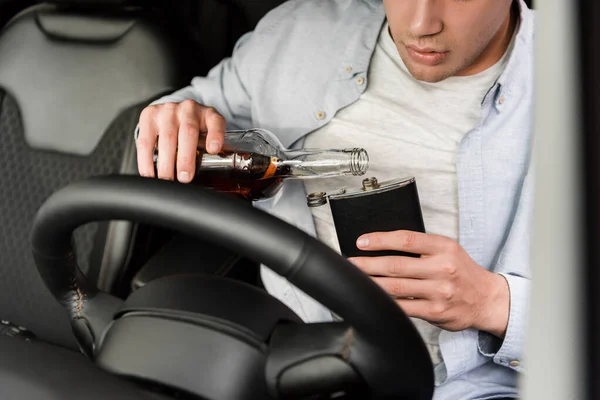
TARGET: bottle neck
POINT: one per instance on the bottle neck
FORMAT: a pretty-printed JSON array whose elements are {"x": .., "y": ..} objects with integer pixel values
[{"x": 314, "y": 163}]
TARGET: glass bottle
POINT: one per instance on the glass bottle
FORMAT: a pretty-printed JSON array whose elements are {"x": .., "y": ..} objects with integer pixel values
[{"x": 253, "y": 164}]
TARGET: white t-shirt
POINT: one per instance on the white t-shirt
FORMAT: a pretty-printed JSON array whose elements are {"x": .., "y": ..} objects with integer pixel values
[{"x": 409, "y": 128}]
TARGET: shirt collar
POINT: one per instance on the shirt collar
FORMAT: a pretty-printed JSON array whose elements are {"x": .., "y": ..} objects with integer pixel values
[{"x": 511, "y": 80}]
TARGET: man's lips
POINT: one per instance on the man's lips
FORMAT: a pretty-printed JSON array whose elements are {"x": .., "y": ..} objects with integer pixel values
[{"x": 425, "y": 55}]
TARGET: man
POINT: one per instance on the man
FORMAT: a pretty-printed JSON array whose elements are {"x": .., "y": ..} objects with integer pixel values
[{"x": 437, "y": 89}]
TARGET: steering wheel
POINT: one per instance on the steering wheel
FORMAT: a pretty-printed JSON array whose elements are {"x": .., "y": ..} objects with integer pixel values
[{"x": 375, "y": 350}]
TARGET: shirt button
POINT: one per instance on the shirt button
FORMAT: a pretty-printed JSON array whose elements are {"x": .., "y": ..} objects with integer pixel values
[
  {"x": 360, "y": 80},
  {"x": 348, "y": 69},
  {"x": 514, "y": 363},
  {"x": 320, "y": 114},
  {"x": 501, "y": 100}
]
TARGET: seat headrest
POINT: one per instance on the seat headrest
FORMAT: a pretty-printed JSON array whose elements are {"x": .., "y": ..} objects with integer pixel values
[
  {"x": 69, "y": 91},
  {"x": 85, "y": 28}
]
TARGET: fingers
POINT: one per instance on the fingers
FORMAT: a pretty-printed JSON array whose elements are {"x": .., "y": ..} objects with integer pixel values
[
  {"x": 403, "y": 288},
  {"x": 189, "y": 129},
  {"x": 178, "y": 127},
  {"x": 214, "y": 125},
  {"x": 168, "y": 129},
  {"x": 408, "y": 241},
  {"x": 146, "y": 142},
  {"x": 396, "y": 266}
]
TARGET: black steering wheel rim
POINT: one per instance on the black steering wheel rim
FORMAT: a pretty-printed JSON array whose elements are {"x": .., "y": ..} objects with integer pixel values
[{"x": 380, "y": 325}]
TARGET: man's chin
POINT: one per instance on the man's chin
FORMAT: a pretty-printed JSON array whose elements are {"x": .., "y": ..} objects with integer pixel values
[{"x": 429, "y": 74}]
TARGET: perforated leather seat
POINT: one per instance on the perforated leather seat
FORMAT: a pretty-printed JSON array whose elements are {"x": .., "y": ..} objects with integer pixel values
[{"x": 72, "y": 85}]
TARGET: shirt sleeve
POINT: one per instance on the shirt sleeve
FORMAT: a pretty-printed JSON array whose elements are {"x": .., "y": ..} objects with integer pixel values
[
  {"x": 508, "y": 351},
  {"x": 223, "y": 88},
  {"x": 515, "y": 266}
]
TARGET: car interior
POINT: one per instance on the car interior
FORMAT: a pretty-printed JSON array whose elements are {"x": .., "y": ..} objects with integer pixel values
[
  {"x": 103, "y": 62},
  {"x": 107, "y": 293}
]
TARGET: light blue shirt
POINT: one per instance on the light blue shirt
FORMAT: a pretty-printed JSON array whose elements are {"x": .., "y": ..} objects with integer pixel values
[{"x": 299, "y": 67}]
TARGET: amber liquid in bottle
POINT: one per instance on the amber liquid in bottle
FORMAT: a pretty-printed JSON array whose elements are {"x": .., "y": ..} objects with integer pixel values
[
  {"x": 253, "y": 165},
  {"x": 248, "y": 175}
]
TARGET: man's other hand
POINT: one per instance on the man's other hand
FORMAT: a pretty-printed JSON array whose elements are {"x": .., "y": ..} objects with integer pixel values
[
  {"x": 445, "y": 286},
  {"x": 177, "y": 128}
]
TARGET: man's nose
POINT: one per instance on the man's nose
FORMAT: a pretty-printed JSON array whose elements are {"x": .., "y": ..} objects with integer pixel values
[{"x": 426, "y": 20}]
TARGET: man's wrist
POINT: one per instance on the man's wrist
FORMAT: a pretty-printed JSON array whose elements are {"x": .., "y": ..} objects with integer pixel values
[{"x": 494, "y": 314}]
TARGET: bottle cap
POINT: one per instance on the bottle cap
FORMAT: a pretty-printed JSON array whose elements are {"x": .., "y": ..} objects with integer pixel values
[
  {"x": 316, "y": 199},
  {"x": 370, "y": 183}
]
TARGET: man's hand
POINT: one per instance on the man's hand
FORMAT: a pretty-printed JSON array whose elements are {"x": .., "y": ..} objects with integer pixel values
[
  {"x": 177, "y": 127},
  {"x": 445, "y": 286}
]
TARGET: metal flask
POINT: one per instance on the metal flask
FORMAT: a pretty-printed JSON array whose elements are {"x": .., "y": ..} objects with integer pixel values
[{"x": 374, "y": 207}]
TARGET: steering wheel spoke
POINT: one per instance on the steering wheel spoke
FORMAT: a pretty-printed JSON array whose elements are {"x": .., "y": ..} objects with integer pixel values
[{"x": 313, "y": 359}]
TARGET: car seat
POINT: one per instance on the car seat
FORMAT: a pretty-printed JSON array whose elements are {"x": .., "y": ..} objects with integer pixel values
[{"x": 74, "y": 76}]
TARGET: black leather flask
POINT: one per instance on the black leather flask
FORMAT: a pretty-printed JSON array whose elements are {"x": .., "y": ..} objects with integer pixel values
[{"x": 374, "y": 207}]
